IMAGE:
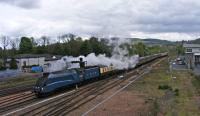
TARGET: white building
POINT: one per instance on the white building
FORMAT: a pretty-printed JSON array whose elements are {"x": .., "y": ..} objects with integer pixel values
[
  {"x": 28, "y": 60},
  {"x": 192, "y": 55}
]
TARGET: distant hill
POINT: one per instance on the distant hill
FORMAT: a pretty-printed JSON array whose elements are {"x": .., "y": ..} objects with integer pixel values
[
  {"x": 151, "y": 41},
  {"x": 196, "y": 41},
  {"x": 158, "y": 42}
]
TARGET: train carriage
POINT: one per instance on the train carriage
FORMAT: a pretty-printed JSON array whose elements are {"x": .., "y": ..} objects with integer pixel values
[
  {"x": 91, "y": 73},
  {"x": 106, "y": 69}
]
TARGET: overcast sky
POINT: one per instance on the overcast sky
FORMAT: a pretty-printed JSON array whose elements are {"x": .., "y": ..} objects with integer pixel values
[{"x": 164, "y": 19}]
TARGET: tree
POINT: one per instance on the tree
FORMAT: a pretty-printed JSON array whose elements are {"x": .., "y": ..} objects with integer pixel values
[
  {"x": 45, "y": 40},
  {"x": 140, "y": 49},
  {"x": 25, "y": 45},
  {"x": 71, "y": 36},
  {"x": 1, "y": 66},
  {"x": 13, "y": 49},
  {"x": 180, "y": 49},
  {"x": 40, "y": 50},
  {"x": 17, "y": 42},
  {"x": 13, "y": 64},
  {"x": 95, "y": 45},
  {"x": 5, "y": 42},
  {"x": 57, "y": 49},
  {"x": 34, "y": 43},
  {"x": 1, "y": 53},
  {"x": 79, "y": 39},
  {"x": 86, "y": 48},
  {"x": 154, "y": 49}
]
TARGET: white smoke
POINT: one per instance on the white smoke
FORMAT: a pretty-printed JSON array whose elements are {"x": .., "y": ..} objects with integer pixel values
[{"x": 119, "y": 59}]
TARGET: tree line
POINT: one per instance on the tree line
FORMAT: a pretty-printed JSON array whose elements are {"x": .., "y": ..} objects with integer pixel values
[
  {"x": 67, "y": 44},
  {"x": 71, "y": 47},
  {"x": 143, "y": 50}
]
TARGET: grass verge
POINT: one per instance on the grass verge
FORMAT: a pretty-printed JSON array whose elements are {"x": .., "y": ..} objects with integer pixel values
[{"x": 168, "y": 96}]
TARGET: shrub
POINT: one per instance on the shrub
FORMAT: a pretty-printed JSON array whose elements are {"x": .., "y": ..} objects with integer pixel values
[
  {"x": 164, "y": 87},
  {"x": 176, "y": 92},
  {"x": 13, "y": 64},
  {"x": 1, "y": 66}
]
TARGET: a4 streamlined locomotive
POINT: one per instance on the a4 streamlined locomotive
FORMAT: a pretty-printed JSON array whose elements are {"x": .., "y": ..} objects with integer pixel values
[{"x": 51, "y": 82}]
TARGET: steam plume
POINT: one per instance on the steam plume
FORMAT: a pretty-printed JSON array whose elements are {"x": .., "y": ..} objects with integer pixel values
[{"x": 119, "y": 59}]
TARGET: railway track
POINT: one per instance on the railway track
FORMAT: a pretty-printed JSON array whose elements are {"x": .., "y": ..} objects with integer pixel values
[
  {"x": 67, "y": 107},
  {"x": 52, "y": 107},
  {"x": 75, "y": 103},
  {"x": 67, "y": 103},
  {"x": 12, "y": 98},
  {"x": 14, "y": 90},
  {"x": 15, "y": 101}
]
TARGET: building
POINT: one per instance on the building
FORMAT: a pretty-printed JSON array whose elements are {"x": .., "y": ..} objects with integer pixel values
[
  {"x": 192, "y": 55},
  {"x": 28, "y": 60}
]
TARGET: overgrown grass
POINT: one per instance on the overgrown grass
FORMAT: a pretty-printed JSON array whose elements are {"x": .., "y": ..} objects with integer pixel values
[
  {"x": 155, "y": 108},
  {"x": 196, "y": 83},
  {"x": 20, "y": 81},
  {"x": 182, "y": 91}
]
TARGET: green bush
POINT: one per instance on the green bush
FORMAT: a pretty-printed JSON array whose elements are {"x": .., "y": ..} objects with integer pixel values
[
  {"x": 1, "y": 66},
  {"x": 164, "y": 87},
  {"x": 176, "y": 92},
  {"x": 13, "y": 64}
]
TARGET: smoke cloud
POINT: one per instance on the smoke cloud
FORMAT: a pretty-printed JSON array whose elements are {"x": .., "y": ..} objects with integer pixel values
[
  {"x": 119, "y": 62},
  {"x": 119, "y": 59}
]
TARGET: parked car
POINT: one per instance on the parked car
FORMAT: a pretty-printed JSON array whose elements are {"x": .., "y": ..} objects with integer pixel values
[{"x": 181, "y": 62}]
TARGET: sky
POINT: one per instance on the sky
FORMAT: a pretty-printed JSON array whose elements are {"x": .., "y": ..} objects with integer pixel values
[{"x": 164, "y": 19}]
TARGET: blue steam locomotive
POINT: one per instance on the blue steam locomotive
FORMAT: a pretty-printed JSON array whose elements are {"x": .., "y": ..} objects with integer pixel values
[{"x": 51, "y": 82}]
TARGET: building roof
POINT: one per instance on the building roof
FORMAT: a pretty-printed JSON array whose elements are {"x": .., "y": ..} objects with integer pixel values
[
  {"x": 191, "y": 45},
  {"x": 30, "y": 56},
  {"x": 197, "y": 54},
  {"x": 48, "y": 57},
  {"x": 53, "y": 57}
]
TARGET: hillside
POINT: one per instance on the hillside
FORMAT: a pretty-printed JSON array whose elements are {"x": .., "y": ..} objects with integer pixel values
[
  {"x": 196, "y": 41},
  {"x": 150, "y": 41}
]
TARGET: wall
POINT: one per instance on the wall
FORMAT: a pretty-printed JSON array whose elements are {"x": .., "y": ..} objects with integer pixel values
[
  {"x": 31, "y": 61},
  {"x": 188, "y": 60},
  {"x": 194, "y": 50}
]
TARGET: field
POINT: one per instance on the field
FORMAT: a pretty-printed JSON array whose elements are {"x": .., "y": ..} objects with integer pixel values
[{"x": 174, "y": 93}]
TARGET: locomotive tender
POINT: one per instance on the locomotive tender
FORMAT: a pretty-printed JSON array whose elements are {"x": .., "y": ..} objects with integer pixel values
[{"x": 54, "y": 81}]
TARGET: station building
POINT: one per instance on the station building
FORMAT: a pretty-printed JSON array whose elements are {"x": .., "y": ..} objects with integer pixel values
[{"x": 192, "y": 56}]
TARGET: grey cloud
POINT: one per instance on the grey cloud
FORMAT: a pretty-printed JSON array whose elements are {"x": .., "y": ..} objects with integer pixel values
[
  {"x": 103, "y": 17},
  {"x": 27, "y": 4}
]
